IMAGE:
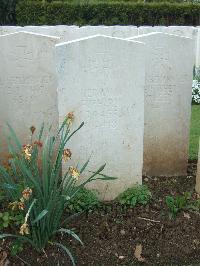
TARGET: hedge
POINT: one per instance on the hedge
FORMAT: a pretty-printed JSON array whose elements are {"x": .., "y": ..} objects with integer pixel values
[
  {"x": 7, "y": 12},
  {"x": 107, "y": 13}
]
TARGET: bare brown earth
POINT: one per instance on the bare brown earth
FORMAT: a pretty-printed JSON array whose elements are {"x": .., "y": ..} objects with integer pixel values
[{"x": 113, "y": 233}]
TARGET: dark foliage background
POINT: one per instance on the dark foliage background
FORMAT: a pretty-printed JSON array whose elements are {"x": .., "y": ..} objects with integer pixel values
[
  {"x": 7, "y": 12},
  {"x": 97, "y": 12}
]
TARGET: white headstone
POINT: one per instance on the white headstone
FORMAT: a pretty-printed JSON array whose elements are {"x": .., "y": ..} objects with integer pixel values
[
  {"x": 101, "y": 79},
  {"x": 9, "y": 29},
  {"x": 169, "y": 68},
  {"x": 197, "y": 187},
  {"x": 113, "y": 31},
  {"x": 186, "y": 31},
  {"x": 149, "y": 29},
  {"x": 183, "y": 31},
  {"x": 69, "y": 33},
  {"x": 123, "y": 31},
  {"x": 64, "y": 32},
  {"x": 198, "y": 48},
  {"x": 27, "y": 82}
]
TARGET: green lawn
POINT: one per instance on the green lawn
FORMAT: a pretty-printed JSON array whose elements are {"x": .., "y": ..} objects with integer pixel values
[{"x": 194, "y": 132}]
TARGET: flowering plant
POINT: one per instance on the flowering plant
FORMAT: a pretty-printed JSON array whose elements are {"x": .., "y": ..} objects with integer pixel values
[
  {"x": 196, "y": 92},
  {"x": 35, "y": 184}
]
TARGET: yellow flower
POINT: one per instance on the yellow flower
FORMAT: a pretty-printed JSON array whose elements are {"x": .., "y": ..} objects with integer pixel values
[
  {"x": 27, "y": 150},
  {"x": 70, "y": 118},
  {"x": 26, "y": 193},
  {"x": 13, "y": 205},
  {"x": 74, "y": 173},
  {"x": 16, "y": 205},
  {"x": 67, "y": 155},
  {"x": 24, "y": 229},
  {"x": 21, "y": 205}
]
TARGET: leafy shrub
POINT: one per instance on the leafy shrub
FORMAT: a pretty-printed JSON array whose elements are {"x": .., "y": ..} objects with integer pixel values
[
  {"x": 107, "y": 13},
  {"x": 196, "y": 86},
  {"x": 83, "y": 200},
  {"x": 196, "y": 92},
  {"x": 46, "y": 193},
  {"x": 139, "y": 194},
  {"x": 10, "y": 218},
  {"x": 16, "y": 247},
  {"x": 7, "y": 12},
  {"x": 177, "y": 204},
  {"x": 196, "y": 205}
]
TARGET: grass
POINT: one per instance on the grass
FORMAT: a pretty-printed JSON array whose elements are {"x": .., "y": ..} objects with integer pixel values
[
  {"x": 194, "y": 132},
  {"x": 129, "y": 1}
]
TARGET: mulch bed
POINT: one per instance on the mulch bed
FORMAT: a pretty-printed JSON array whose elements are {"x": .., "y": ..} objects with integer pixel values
[{"x": 112, "y": 232}]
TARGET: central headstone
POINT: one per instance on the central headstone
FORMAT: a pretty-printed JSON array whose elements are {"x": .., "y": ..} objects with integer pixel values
[
  {"x": 101, "y": 79},
  {"x": 168, "y": 83}
]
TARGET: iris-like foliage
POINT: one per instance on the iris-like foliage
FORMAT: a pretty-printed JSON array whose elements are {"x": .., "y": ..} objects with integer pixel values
[
  {"x": 34, "y": 183},
  {"x": 177, "y": 204}
]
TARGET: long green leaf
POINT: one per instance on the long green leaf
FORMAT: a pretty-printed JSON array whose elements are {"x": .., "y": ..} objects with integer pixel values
[
  {"x": 71, "y": 217},
  {"x": 14, "y": 137},
  {"x": 2, "y": 236},
  {"x": 41, "y": 132},
  {"x": 71, "y": 233},
  {"x": 95, "y": 173},
  {"x": 40, "y": 216},
  {"x": 9, "y": 186},
  {"x": 81, "y": 125},
  {"x": 7, "y": 235},
  {"x": 67, "y": 251},
  {"x": 31, "y": 206},
  {"x": 45, "y": 159},
  {"x": 105, "y": 177},
  {"x": 84, "y": 166}
]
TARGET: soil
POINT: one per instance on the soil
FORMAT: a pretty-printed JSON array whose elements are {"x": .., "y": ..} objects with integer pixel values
[{"x": 112, "y": 233}]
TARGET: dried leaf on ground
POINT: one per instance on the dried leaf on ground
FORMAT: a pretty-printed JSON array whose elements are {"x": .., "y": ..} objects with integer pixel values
[
  {"x": 186, "y": 215},
  {"x": 138, "y": 253},
  {"x": 3, "y": 259}
]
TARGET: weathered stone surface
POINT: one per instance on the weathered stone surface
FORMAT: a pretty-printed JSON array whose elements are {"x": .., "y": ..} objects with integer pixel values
[
  {"x": 65, "y": 33},
  {"x": 169, "y": 68},
  {"x": 149, "y": 29},
  {"x": 184, "y": 31},
  {"x": 198, "y": 173},
  {"x": 27, "y": 83},
  {"x": 113, "y": 31},
  {"x": 198, "y": 49},
  {"x": 124, "y": 31},
  {"x": 68, "y": 33},
  {"x": 101, "y": 79},
  {"x": 9, "y": 29}
]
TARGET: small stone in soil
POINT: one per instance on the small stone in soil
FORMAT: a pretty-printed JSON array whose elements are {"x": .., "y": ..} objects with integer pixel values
[{"x": 122, "y": 232}]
